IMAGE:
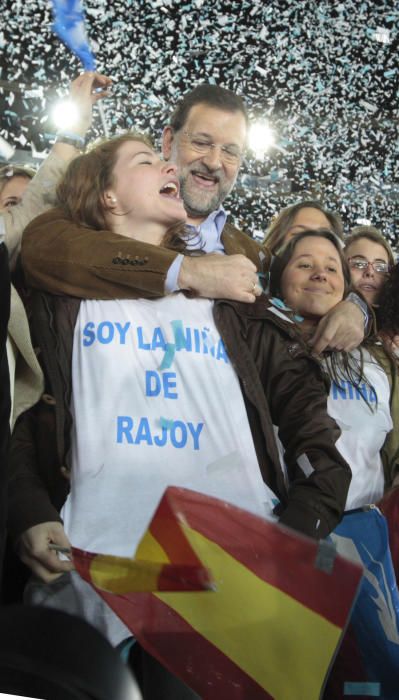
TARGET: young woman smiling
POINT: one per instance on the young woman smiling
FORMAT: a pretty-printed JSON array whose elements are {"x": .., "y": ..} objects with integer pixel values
[{"x": 310, "y": 276}]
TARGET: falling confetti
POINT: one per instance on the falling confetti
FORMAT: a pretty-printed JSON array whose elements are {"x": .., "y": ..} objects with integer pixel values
[{"x": 324, "y": 75}]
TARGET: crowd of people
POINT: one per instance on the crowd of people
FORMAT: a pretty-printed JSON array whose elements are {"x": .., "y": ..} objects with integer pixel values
[{"x": 284, "y": 377}]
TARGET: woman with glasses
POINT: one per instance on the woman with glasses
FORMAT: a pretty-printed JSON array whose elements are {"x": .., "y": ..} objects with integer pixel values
[{"x": 369, "y": 257}]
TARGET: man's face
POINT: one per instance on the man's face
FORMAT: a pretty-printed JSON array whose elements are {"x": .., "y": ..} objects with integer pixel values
[{"x": 206, "y": 178}]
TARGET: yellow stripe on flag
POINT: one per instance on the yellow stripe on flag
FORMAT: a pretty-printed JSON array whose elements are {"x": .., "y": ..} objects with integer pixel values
[
  {"x": 286, "y": 648},
  {"x": 119, "y": 575},
  {"x": 149, "y": 549}
]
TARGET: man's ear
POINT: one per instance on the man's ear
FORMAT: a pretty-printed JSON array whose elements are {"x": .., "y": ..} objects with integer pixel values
[{"x": 167, "y": 139}]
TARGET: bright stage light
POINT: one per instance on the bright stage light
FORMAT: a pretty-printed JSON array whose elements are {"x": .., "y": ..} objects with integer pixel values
[
  {"x": 260, "y": 138},
  {"x": 65, "y": 114}
]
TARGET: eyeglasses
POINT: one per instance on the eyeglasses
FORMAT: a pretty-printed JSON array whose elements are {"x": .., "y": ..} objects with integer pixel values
[
  {"x": 360, "y": 264},
  {"x": 229, "y": 154}
]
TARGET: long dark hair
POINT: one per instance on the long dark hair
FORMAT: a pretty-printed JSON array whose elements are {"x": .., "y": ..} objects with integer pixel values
[
  {"x": 388, "y": 300},
  {"x": 339, "y": 365}
]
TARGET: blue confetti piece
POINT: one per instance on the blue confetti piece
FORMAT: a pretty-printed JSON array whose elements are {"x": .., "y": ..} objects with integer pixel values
[
  {"x": 372, "y": 690},
  {"x": 279, "y": 304},
  {"x": 168, "y": 357},
  {"x": 166, "y": 423},
  {"x": 178, "y": 334}
]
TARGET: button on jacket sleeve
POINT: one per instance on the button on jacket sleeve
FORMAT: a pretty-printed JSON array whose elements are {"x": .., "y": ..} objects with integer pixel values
[{"x": 63, "y": 258}]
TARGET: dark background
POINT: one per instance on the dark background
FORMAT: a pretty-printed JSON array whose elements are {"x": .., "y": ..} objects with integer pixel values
[{"x": 315, "y": 70}]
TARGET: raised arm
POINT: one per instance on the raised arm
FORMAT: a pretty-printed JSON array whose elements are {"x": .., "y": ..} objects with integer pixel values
[{"x": 40, "y": 193}]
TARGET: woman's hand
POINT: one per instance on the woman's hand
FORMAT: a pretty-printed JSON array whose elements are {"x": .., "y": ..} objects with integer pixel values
[
  {"x": 87, "y": 89},
  {"x": 33, "y": 549}
]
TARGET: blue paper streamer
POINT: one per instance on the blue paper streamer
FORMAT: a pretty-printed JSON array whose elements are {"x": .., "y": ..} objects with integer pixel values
[
  {"x": 372, "y": 690},
  {"x": 69, "y": 26}
]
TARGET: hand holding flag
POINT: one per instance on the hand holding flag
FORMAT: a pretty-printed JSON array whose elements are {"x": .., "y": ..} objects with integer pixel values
[
  {"x": 69, "y": 25},
  {"x": 86, "y": 90}
]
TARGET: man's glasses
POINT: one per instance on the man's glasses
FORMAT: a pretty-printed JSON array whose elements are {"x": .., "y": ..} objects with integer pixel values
[
  {"x": 229, "y": 154},
  {"x": 361, "y": 264}
]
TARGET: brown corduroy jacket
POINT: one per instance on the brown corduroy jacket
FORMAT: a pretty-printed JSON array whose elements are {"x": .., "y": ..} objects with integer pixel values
[{"x": 57, "y": 256}]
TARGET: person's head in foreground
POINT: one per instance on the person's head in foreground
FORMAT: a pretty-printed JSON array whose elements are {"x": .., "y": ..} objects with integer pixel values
[{"x": 369, "y": 257}]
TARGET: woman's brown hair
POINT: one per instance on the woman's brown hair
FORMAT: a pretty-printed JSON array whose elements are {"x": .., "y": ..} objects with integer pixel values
[
  {"x": 277, "y": 231},
  {"x": 81, "y": 191}
]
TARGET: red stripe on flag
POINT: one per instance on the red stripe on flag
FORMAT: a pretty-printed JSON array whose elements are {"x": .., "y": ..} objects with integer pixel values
[
  {"x": 165, "y": 527},
  {"x": 202, "y": 666},
  {"x": 171, "y": 577},
  {"x": 82, "y": 561},
  {"x": 266, "y": 550}
]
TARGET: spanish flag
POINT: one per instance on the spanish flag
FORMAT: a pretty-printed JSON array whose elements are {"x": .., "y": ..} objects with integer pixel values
[{"x": 237, "y": 606}]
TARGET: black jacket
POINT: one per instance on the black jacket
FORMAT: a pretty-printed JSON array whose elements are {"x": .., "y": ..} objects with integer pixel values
[{"x": 5, "y": 403}]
